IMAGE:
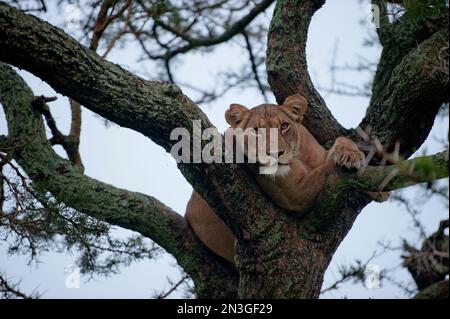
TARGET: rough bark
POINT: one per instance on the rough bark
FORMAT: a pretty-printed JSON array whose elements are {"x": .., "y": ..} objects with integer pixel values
[
  {"x": 403, "y": 174},
  {"x": 398, "y": 40},
  {"x": 149, "y": 107},
  {"x": 418, "y": 86},
  {"x": 438, "y": 290},
  {"x": 134, "y": 211},
  {"x": 287, "y": 68},
  {"x": 278, "y": 255}
]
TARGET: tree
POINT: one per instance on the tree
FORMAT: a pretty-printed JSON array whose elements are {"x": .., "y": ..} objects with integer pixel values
[{"x": 278, "y": 255}]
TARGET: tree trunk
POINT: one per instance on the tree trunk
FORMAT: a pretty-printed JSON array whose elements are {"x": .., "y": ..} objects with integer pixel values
[{"x": 278, "y": 255}]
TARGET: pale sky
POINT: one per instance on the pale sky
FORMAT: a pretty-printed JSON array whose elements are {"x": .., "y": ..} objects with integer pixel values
[{"x": 129, "y": 160}]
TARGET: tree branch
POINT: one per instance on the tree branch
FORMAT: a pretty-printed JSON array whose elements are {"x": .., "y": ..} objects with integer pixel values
[
  {"x": 405, "y": 111},
  {"x": 385, "y": 26},
  {"x": 287, "y": 67},
  {"x": 11, "y": 291},
  {"x": 69, "y": 142},
  {"x": 403, "y": 174},
  {"x": 134, "y": 211},
  {"x": 437, "y": 290},
  {"x": 373, "y": 178},
  {"x": 149, "y": 107},
  {"x": 254, "y": 66},
  {"x": 104, "y": 19},
  {"x": 193, "y": 43},
  {"x": 411, "y": 31},
  {"x": 73, "y": 139}
]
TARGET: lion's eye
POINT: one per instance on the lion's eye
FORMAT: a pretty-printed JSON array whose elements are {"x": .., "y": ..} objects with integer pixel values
[
  {"x": 256, "y": 130},
  {"x": 284, "y": 126}
]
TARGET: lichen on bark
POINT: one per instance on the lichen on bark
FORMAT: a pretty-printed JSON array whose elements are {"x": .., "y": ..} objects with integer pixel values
[{"x": 278, "y": 254}]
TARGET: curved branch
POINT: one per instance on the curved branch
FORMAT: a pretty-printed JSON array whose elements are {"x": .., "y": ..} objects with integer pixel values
[
  {"x": 149, "y": 107},
  {"x": 101, "y": 86},
  {"x": 418, "y": 86},
  {"x": 134, "y": 211},
  {"x": 287, "y": 67},
  {"x": 374, "y": 178},
  {"x": 399, "y": 39}
]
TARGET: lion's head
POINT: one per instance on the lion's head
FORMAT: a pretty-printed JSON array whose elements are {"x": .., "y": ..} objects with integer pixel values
[{"x": 284, "y": 120}]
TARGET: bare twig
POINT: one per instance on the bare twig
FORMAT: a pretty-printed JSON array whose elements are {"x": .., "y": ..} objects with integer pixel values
[{"x": 11, "y": 291}]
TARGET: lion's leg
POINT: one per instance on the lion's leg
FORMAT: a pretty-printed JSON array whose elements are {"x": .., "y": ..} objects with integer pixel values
[
  {"x": 305, "y": 193},
  {"x": 209, "y": 228}
]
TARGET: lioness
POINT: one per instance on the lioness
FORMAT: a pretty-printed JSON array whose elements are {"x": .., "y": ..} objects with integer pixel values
[{"x": 302, "y": 166}]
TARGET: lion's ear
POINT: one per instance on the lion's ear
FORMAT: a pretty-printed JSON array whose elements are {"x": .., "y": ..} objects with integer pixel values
[
  {"x": 297, "y": 105},
  {"x": 235, "y": 114}
]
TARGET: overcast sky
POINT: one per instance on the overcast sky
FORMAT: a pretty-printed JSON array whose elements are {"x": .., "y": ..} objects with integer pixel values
[{"x": 129, "y": 160}]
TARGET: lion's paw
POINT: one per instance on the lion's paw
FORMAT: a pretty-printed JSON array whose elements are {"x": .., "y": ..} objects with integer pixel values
[{"x": 346, "y": 154}]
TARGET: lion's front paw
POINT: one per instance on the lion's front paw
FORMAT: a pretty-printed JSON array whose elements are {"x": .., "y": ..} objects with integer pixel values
[
  {"x": 349, "y": 158},
  {"x": 345, "y": 153}
]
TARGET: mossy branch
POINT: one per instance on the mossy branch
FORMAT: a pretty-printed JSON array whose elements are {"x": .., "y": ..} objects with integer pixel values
[
  {"x": 373, "y": 179},
  {"x": 400, "y": 175},
  {"x": 407, "y": 92},
  {"x": 437, "y": 290},
  {"x": 67, "y": 183},
  {"x": 150, "y": 107},
  {"x": 287, "y": 68}
]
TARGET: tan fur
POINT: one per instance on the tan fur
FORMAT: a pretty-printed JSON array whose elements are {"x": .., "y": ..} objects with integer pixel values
[
  {"x": 209, "y": 228},
  {"x": 308, "y": 161}
]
